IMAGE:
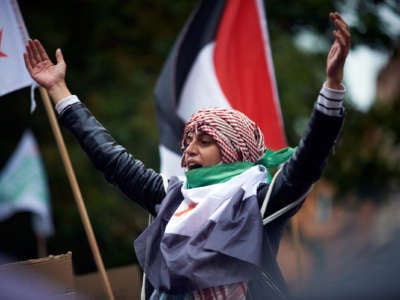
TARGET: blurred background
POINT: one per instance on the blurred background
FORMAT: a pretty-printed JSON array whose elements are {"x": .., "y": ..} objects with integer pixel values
[{"x": 115, "y": 50}]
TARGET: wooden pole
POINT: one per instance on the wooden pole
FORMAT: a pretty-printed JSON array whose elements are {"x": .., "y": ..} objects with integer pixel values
[{"x": 76, "y": 191}]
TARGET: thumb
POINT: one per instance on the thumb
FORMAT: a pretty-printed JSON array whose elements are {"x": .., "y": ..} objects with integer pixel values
[{"x": 59, "y": 56}]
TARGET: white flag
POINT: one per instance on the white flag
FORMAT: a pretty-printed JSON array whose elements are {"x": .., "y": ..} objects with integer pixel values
[
  {"x": 23, "y": 186},
  {"x": 13, "y": 37}
]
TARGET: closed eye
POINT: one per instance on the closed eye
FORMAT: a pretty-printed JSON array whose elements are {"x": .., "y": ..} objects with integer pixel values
[{"x": 206, "y": 140}]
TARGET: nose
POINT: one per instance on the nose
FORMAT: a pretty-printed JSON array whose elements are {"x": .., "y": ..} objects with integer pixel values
[{"x": 191, "y": 148}]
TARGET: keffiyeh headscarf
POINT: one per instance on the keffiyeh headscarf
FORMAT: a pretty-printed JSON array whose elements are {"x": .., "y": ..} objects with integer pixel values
[{"x": 238, "y": 137}]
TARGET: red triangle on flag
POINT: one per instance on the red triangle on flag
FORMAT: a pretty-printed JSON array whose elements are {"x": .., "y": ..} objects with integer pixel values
[{"x": 2, "y": 54}]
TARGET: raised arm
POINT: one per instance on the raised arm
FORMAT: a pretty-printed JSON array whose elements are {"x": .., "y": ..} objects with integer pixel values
[
  {"x": 47, "y": 74},
  {"x": 308, "y": 162},
  {"x": 139, "y": 183}
]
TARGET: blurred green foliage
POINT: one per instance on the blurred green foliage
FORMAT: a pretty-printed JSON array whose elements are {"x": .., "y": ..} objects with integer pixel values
[{"x": 114, "y": 51}]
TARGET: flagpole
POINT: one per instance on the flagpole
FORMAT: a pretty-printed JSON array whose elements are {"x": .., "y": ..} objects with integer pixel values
[{"x": 76, "y": 191}]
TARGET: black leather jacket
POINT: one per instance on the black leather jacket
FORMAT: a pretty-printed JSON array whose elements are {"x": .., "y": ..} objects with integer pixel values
[{"x": 145, "y": 186}]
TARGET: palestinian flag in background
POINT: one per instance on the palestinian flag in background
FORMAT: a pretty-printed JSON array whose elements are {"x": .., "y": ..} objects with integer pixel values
[{"x": 220, "y": 58}]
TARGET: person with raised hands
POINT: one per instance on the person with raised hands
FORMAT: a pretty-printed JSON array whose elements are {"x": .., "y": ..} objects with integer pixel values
[{"x": 216, "y": 231}]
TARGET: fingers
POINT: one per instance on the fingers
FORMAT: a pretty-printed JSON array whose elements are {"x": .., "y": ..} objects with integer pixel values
[
  {"x": 27, "y": 62},
  {"x": 26, "y": 57},
  {"x": 36, "y": 56},
  {"x": 341, "y": 34},
  {"x": 342, "y": 31},
  {"x": 35, "y": 53},
  {"x": 59, "y": 56},
  {"x": 341, "y": 40},
  {"x": 31, "y": 57},
  {"x": 41, "y": 52}
]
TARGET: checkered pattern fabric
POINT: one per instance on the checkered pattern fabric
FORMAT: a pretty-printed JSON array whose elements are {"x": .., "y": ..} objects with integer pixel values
[
  {"x": 238, "y": 137},
  {"x": 235, "y": 291}
]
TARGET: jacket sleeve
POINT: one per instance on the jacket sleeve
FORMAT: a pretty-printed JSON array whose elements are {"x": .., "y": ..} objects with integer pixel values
[
  {"x": 307, "y": 163},
  {"x": 138, "y": 183}
]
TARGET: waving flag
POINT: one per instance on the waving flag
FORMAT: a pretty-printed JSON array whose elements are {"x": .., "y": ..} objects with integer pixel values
[
  {"x": 13, "y": 36},
  {"x": 214, "y": 223},
  {"x": 221, "y": 58},
  {"x": 23, "y": 186}
]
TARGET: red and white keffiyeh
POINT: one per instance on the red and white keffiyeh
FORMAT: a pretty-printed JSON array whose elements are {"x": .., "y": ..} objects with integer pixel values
[{"x": 238, "y": 137}]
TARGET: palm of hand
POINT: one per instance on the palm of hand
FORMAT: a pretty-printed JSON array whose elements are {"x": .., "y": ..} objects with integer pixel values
[
  {"x": 335, "y": 61},
  {"x": 46, "y": 73}
]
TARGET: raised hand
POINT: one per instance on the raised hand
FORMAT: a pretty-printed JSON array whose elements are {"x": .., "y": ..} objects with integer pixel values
[
  {"x": 338, "y": 52},
  {"x": 47, "y": 74}
]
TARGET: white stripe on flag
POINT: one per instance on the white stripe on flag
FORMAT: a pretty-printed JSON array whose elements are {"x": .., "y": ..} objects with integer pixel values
[
  {"x": 208, "y": 202},
  {"x": 201, "y": 88}
]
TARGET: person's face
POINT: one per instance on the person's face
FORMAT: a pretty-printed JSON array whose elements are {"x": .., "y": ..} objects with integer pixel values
[{"x": 200, "y": 150}]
